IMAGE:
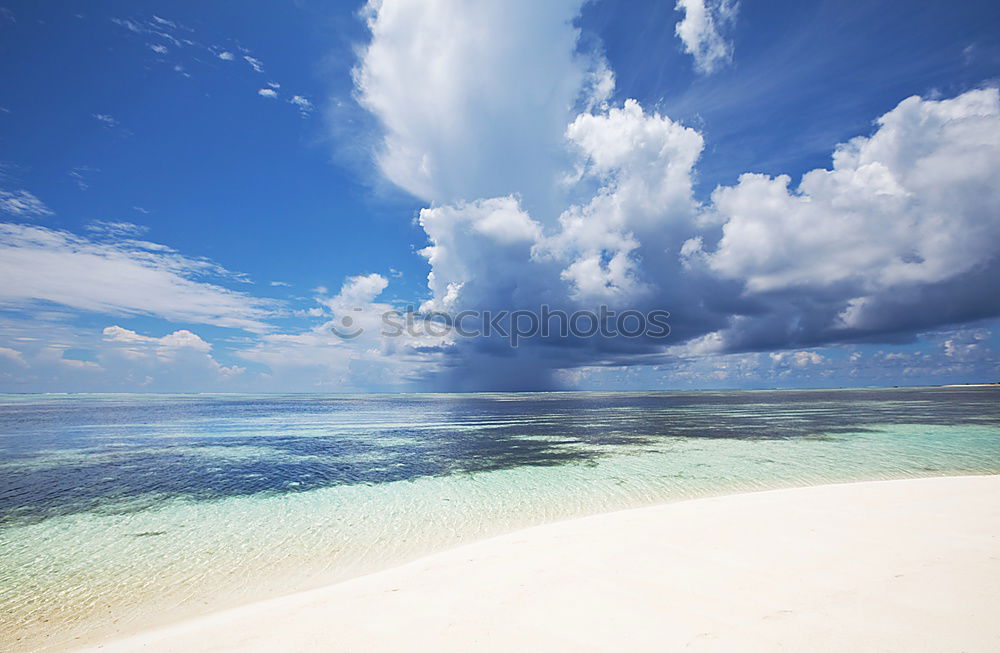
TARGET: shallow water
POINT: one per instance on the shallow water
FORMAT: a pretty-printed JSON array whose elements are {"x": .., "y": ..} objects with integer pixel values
[{"x": 126, "y": 510}]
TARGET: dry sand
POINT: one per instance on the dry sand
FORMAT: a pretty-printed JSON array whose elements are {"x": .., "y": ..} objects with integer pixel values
[{"x": 909, "y": 565}]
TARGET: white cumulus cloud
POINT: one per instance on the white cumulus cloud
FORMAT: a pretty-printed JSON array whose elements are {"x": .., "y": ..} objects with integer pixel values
[
  {"x": 541, "y": 193},
  {"x": 704, "y": 30},
  {"x": 900, "y": 214}
]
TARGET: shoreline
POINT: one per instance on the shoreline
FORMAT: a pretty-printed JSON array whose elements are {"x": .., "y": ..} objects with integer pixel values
[
  {"x": 820, "y": 567},
  {"x": 972, "y": 385}
]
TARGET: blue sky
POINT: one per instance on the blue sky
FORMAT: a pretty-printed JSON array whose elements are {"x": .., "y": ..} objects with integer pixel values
[{"x": 194, "y": 193}]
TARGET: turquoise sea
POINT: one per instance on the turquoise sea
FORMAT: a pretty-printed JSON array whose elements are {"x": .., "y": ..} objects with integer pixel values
[{"x": 127, "y": 511}]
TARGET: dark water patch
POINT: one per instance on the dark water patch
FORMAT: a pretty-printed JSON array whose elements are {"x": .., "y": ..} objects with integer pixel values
[{"x": 120, "y": 454}]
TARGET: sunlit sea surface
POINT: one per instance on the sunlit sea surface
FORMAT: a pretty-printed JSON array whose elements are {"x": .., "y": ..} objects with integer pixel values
[{"x": 125, "y": 511}]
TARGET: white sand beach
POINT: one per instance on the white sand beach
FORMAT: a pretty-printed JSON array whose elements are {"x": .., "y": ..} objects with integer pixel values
[{"x": 909, "y": 565}]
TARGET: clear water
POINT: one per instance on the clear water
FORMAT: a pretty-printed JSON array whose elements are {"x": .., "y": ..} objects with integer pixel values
[{"x": 120, "y": 511}]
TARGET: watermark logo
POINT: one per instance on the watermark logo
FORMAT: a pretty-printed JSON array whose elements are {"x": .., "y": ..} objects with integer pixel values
[
  {"x": 347, "y": 329},
  {"x": 514, "y": 326}
]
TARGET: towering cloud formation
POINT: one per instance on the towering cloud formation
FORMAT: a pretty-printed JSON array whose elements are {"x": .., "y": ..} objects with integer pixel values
[
  {"x": 473, "y": 97},
  {"x": 542, "y": 192}
]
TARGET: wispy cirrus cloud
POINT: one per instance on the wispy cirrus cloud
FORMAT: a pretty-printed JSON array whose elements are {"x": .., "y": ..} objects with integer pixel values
[
  {"x": 106, "y": 119},
  {"x": 119, "y": 229},
  {"x": 256, "y": 64},
  {"x": 119, "y": 275},
  {"x": 81, "y": 176},
  {"x": 22, "y": 204},
  {"x": 179, "y": 46},
  {"x": 303, "y": 103}
]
